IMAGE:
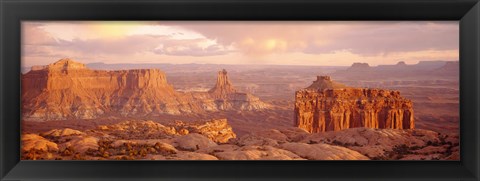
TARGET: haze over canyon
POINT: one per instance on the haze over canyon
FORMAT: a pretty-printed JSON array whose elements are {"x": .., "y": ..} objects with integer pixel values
[{"x": 102, "y": 111}]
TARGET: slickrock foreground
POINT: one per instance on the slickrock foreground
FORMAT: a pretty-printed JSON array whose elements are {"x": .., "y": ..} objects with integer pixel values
[
  {"x": 392, "y": 144},
  {"x": 330, "y": 106},
  {"x": 149, "y": 140},
  {"x": 69, "y": 90}
]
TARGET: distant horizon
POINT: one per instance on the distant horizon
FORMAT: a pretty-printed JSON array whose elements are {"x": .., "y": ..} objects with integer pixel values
[
  {"x": 244, "y": 64},
  {"x": 319, "y": 43}
]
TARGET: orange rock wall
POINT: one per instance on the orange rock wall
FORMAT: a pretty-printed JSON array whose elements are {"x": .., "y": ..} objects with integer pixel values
[
  {"x": 338, "y": 109},
  {"x": 68, "y": 90}
]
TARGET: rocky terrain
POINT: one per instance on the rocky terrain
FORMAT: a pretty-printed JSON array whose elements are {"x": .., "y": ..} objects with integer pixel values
[
  {"x": 69, "y": 90},
  {"x": 214, "y": 140},
  {"x": 433, "y": 90},
  {"x": 329, "y": 106},
  {"x": 128, "y": 111}
]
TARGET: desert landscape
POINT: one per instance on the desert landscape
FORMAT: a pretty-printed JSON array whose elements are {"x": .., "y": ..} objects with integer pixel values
[
  {"x": 81, "y": 109},
  {"x": 72, "y": 111}
]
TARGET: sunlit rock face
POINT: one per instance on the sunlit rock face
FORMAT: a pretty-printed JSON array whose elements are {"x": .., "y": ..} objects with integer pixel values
[
  {"x": 329, "y": 106},
  {"x": 217, "y": 130},
  {"x": 69, "y": 90},
  {"x": 215, "y": 140},
  {"x": 223, "y": 86}
]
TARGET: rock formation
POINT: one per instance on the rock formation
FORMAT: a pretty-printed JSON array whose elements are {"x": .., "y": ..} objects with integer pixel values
[
  {"x": 223, "y": 87},
  {"x": 450, "y": 68},
  {"x": 357, "y": 66},
  {"x": 133, "y": 129},
  {"x": 401, "y": 63},
  {"x": 217, "y": 130},
  {"x": 329, "y": 106},
  {"x": 69, "y": 90},
  {"x": 399, "y": 71},
  {"x": 227, "y": 98},
  {"x": 323, "y": 152},
  {"x": 125, "y": 141},
  {"x": 193, "y": 141},
  {"x": 36, "y": 142},
  {"x": 392, "y": 144},
  {"x": 55, "y": 133},
  {"x": 325, "y": 82}
]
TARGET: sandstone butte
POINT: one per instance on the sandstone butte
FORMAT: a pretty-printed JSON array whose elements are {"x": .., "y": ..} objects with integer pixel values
[
  {"x": 69, "y": 90},
  {"x": 329, "y": 106}
]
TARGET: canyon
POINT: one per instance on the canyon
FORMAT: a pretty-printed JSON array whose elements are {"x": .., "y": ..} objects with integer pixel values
[
  {"x": 75, "y": 111},
  {"x": 329, "y": 106},
  {"x": 69, "y": 90}
]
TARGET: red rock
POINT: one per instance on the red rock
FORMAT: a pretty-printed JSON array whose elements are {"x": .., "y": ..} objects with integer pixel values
[
  {"x": 325, "y": 82},
  {"x": 185, "y": 155},
  {"x": 218, "y": 130},
  {"x": 69, "y": 90},
  {"x": 257, "y": 153},
  {"x": 193, "y": 141},
  {"x": 329, "y": 106},
  {"x": 36, "y": 142},
  {"x": 323, "y": 151},
  {"x": 223, "y": 87}
]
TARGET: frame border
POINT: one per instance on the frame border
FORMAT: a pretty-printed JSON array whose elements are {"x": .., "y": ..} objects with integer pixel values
[{"x": 14, "y": 11}]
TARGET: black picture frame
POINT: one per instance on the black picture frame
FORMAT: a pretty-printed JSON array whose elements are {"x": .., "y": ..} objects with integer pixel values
[{"x": 12, "y": 12}]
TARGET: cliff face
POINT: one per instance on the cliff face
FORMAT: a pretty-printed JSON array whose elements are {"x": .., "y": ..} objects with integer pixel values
[
  {"x": 68, "y": 90},
  {"x": 330, "y": 107}
]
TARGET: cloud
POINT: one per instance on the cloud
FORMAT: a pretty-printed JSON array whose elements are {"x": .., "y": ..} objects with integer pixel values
[
  {"x": 146, "y": 43},
  {"x": 119, "y": 46},
  {"x": 364, "y": 38},
  {"x": 300, "y": 43},
  {"x": 34, "y": 34},
  {"x": 391, "y": 38},
  {"x": 192, "y": 47},
  {"x": 39, "y": 42},
  {"x": 39, "y": 51}
]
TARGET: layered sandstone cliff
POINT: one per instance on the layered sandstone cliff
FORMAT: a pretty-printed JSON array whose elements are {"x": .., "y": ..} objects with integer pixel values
[
  {"x": 69, "y": 90},
  {"x": 329, "y": 106}
]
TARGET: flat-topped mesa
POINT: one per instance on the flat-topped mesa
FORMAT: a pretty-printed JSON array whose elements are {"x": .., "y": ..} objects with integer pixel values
[
  {"x": 223, "y": 86},
  {"x": 68, "y": 89},
  {"x": 68, "y": 74},
  {"x": 357, "y": 66},
  {"x": 332, "y": 108}
]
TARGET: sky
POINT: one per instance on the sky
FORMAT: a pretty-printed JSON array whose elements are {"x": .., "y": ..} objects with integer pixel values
[{"x": 325, "y": 43}]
